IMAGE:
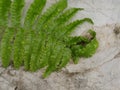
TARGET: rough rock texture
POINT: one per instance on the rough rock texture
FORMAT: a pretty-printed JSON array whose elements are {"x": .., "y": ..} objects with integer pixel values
[{"x": 100, "y": 72}]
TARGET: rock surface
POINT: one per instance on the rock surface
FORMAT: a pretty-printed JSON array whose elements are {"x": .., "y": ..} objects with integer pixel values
[{"x": 100, "y": 72}]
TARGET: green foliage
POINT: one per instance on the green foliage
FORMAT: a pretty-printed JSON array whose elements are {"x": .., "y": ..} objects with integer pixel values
[
  {"x": 15, "y": 11},
  {"x": 83, "y": 46},
  {"x": 18, "y": 48},
  {"x": 33, "y": 12},
  {"x": 44, "y": 40},
  {"x": 6, "y": 46},
  {"x": 4, "y": 12}
]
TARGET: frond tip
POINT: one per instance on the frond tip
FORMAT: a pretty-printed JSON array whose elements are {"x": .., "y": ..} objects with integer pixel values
[{"x": 83, "y": 46}]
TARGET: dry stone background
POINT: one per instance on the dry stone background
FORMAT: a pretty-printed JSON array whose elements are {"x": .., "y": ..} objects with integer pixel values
[{"x": 100, "y": 72}]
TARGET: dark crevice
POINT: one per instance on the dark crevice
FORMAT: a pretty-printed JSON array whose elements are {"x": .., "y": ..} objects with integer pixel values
[
  {"x": 16, "y": 88},
  {"x": 117, "y": 30},
  {"x": 117, "y": 56}
]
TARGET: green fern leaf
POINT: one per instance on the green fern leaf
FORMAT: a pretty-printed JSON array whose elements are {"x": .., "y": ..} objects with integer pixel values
[
  {"x": 4, "y": 12},
  {"x": 43, "y": 58},
  {"x": 45, "y": 38},
  {"x": 55, "y": 49},
  {"x": 68, "y": 14},
  {"x": 6, "y": 46},
  {"x": 55, "y": 23},
  {"x": 28, "y": 42},
  {"x": 68, "y": 29},
  {"x": 16, "y": 9},
  {"x": 85, "y": 47},
  {"x": 61, "y": 20},
  {"x": 66, "y": 56},
  {"x": 86, "y": 51},
  {"x": 18, "y": 49},
  {"x": 46, "y": 19},
  {"x": 70, "y": 41},
  {"x": 51, "y": 13},
  {"x": 36, "y": 56},
  {"x": 33, "y": 12}
]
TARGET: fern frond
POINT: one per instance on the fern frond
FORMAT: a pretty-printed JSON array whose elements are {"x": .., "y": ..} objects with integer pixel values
[
  {"x": 47, "y": 15},
  {"x": 68, "y": 29},
  {"x": 84, "y": 51},
  {"x": 16, "y": 9},
  {"x": 44, "y": 39},
  {"x": 43, "y": 57},
  {"x": 51, "y": 13},
  {"x": 44, "y": 21},
  {"x": 70, "y": 41},
  {"x": 33, "y": 12},
  {"x": 68, "y": 14},
  {"x": 4, "y": 12},
  {"x": 85, "y": 47},
  {"x": 59, "y": 57},
  {"x": 2, "y": 30},
  {"x": 18, "y": 49},
  {"x": 48, "y": 71},
  {"x": 6, "y": 46},
  {"x": 89, "y": 49},
  {"x": 28, "y": 47},
  {"x": 62, "y": 19},
  {"x": 53, "y": 24},
  {"x": 56, "y": 48},
  {"x": 37, "y": 55},
  {"x": 66, "y": 56}
]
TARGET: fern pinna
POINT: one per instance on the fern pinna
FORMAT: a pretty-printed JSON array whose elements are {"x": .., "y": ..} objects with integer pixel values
[{"x": 44, "y": 39}]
